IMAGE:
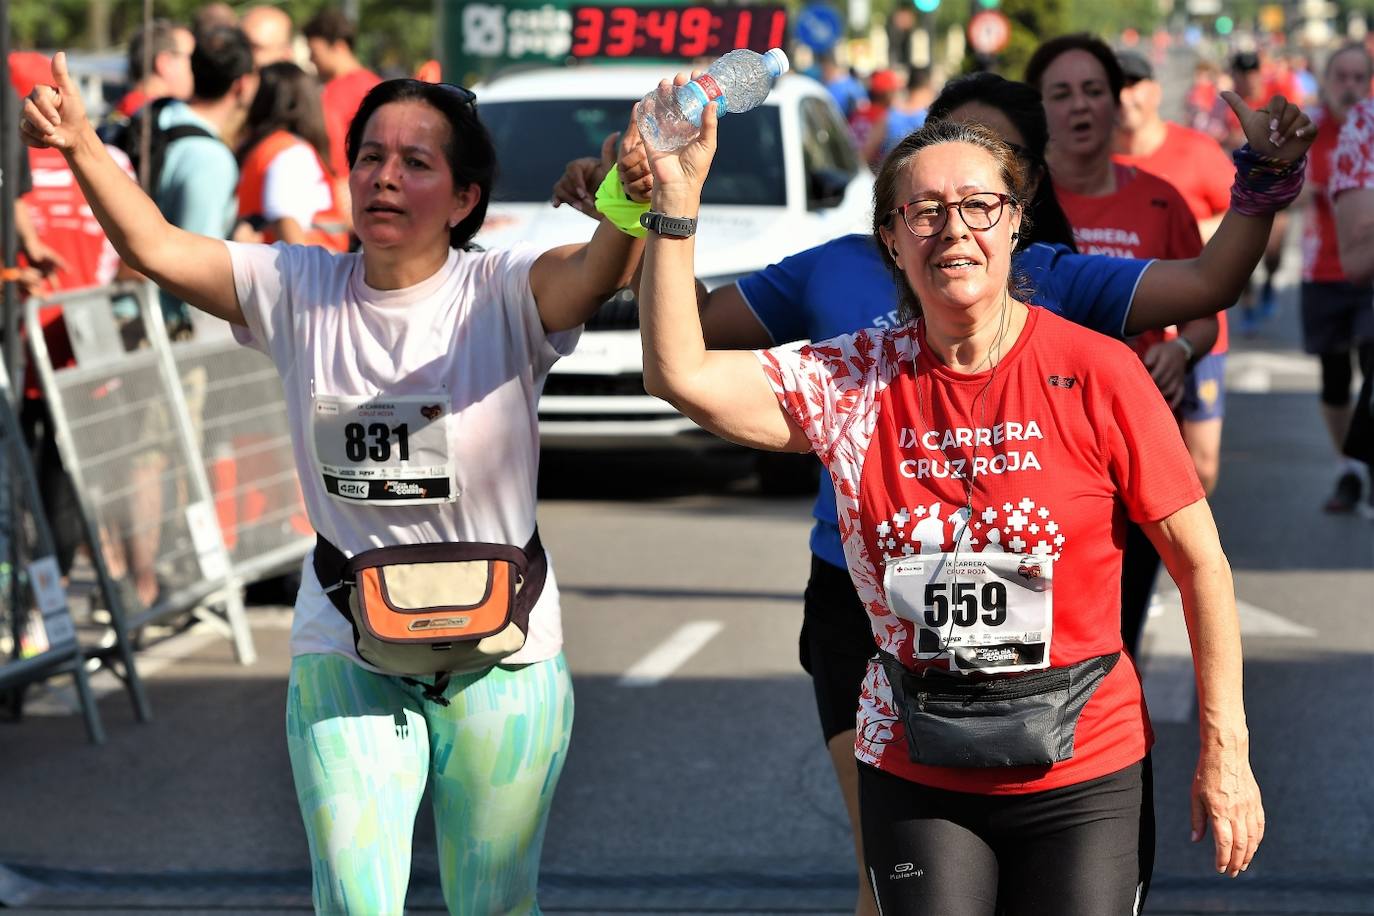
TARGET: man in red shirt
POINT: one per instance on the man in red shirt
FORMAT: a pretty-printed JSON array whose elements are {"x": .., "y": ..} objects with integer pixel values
[
  {"x": 169, "y": 74},
  {"x": 330, "y": 36},
  {"x": 1337, "y": 315},
  {"x": 1194, "y": 164}
]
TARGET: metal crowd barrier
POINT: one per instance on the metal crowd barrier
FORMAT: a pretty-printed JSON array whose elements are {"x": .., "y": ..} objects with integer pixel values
[
  {"x": 37, "y": 634},
  {"x": 247, "y": 452},
  {"x": 178, "y": 450}
]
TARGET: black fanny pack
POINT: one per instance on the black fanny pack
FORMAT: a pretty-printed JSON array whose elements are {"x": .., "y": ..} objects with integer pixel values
[
  {"x": 1007, "y": 721},
  {"x": 440, "y": 609}
]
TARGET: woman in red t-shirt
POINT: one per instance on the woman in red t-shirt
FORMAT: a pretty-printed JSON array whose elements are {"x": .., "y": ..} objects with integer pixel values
[
  {"x": 985, "y": 455},
  {"x": 1118, "y": 210}
]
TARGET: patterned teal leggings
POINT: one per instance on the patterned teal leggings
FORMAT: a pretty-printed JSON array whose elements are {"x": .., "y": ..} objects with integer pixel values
[{"x": 363, "y": 745}]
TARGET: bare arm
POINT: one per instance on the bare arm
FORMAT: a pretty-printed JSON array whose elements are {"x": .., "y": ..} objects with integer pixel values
[
  {"x": 1355, "y": 234},
  {"x": 289, "y": 231},
  {"x": 192, "y": 267},
  {"x": 724, "y": 391},
  {"x": 1173, "y": 292},
  {"x": 572, "y": 281},
  {"x": 1224, "y": 792}
]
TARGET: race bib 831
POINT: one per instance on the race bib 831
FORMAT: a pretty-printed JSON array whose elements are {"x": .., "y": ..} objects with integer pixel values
[{"x": 385, "y": 450}]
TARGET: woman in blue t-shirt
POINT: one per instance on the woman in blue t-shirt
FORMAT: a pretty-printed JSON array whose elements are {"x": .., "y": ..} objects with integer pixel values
[{"x": 843, "y": 286}]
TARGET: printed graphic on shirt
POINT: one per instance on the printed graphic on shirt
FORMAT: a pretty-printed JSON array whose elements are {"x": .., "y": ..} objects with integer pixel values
[
  {"x": 388, "y": 451},
  {"x": 1352, "y": 165}
]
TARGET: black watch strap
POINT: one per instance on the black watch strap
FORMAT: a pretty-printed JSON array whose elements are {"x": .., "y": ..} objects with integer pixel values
[{"x": 678, "y": 227}]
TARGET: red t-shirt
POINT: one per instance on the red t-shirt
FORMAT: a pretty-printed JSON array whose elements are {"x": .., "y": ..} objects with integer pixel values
[
  {"x": 1321, "y": 257},
  {"x": 1201, "y": 172},
  {"x": 65, "y": 223},
  {"x": 1071, "y": 438},
  {"x": 1144, "y": 218},
  {"x": 340, "y": 99}
]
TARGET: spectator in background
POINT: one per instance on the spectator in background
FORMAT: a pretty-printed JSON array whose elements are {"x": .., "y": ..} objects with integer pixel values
[
  {"x": 330, "y": 37},
  {"x": 213, "y": 15},
  {"x": 847, "y": 91},
  {"x": 196, "y": 188},
  {"x": 1337, "y": 315},
  {"x": 26, "y": 69},
  {"x": 168, "y": 74},
  {"x": 60, "y": 217},
  {"x": 907, "y": 113},
  {"x": 287, "y": 189},
  {"x": 270, "y": 34},
  {"x": 1192, "y": 162},
  {"x": 883, "y": 85}
]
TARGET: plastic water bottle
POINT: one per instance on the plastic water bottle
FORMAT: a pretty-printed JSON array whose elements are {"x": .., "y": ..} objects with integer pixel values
[{"x": 738, "y": 81}]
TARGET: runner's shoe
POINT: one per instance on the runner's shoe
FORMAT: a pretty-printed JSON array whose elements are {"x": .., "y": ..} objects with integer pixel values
[{"x": 1346, "y": 496}]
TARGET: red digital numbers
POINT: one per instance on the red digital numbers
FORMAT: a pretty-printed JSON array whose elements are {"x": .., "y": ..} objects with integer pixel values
[
  {"x": 696, "y": 31},
  {"x": 777, "y": 31},
  {"x": 675, "y": 31},
  {"x": 588, "y": 24},
  {"x": 661, "y": 26},
  {"x": 620, "y": 37}
]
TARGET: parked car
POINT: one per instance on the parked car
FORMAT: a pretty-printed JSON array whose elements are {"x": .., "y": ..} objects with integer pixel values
[{"x": 785, "y": 178}]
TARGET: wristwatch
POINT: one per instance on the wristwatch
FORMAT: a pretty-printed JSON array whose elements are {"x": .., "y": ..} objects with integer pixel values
[
  {"x": 1187, "y": 346},
  {"x": 677, "y": 227}
]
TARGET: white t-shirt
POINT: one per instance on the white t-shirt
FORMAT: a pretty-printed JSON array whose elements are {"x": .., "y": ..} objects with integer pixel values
[
  {"x": 295, "y": 186},
  {"x": 470, "y": 334}
]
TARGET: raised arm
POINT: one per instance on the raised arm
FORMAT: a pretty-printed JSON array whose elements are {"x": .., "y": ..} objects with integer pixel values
[
  {"x": 571, "y": 282},
  {"x": 724, "y": 391},
  {"x": 1173, "y": 292},
  {"x": 192, "y": 267},
  {"x": 1224, "y": 792}
]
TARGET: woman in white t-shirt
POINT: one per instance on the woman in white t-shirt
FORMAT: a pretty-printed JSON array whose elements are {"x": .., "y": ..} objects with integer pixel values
[
  {"x": 287, "y": 190},
  {"x": 415, "y": 321}
]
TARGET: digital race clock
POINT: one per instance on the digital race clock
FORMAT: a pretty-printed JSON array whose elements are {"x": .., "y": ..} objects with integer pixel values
[{"x": 675, "y": 31}]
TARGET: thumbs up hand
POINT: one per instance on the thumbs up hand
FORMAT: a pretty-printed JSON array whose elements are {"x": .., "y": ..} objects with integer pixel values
[
  {"x": 1279, "y": 129},
  {"x": 54, "y": 116}
]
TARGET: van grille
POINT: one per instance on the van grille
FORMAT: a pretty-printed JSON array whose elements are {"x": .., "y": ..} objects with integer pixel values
[{"x": 568, "y": 385}]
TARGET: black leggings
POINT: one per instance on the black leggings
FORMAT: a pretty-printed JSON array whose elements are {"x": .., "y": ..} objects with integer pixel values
[
  {"x": 1337, "y": 373},
  {"x": 1082, "y": 850}
]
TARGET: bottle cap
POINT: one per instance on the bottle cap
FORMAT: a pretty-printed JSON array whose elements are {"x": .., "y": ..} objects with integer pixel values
[{"x": 776, "y": 60}]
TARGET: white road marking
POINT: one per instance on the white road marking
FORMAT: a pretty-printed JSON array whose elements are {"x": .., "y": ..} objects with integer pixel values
[
  {"x": 671, "y": 654},
  {"x": 1166, "y": 657}
]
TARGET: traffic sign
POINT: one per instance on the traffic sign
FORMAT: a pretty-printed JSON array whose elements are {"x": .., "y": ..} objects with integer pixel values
[
  {"x": 989, "y": 31},
  {"x": 819, "y": 27}
]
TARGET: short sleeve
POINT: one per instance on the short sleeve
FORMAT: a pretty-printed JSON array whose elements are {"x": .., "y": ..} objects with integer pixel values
[
  {"x": 1352, "y": 164},
  {"x": 825, "y": 386},
  {"x": 1145, "y": 451},
  {"x": 264, "y": 276},
  {"x": 1095, "y": 291},
  {"x": 512, "y": 267},
  {"x": 775, "y": 295}
]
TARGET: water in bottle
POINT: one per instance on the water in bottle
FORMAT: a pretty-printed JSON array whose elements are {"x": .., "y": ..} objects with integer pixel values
[{"x": 738, "y": 81}]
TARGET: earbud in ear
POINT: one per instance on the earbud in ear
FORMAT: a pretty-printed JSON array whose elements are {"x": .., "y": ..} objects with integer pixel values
[
  {"x": 1015, "y": 236},
  {"x": 894, "y": 252}
]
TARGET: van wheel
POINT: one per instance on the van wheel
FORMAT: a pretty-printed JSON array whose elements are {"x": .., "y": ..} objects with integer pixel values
[{"x": 787, "y": 473}]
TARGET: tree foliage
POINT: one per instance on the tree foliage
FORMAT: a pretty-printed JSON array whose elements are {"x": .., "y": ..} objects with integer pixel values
[{"x": 393, "y": 34}]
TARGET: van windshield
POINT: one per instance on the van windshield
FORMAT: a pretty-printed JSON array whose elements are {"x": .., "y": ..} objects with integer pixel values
[{"x": 535, "y": 140}]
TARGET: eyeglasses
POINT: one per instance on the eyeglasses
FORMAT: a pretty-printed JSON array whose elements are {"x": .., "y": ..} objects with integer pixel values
[{"x": 980, "y": 212}]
